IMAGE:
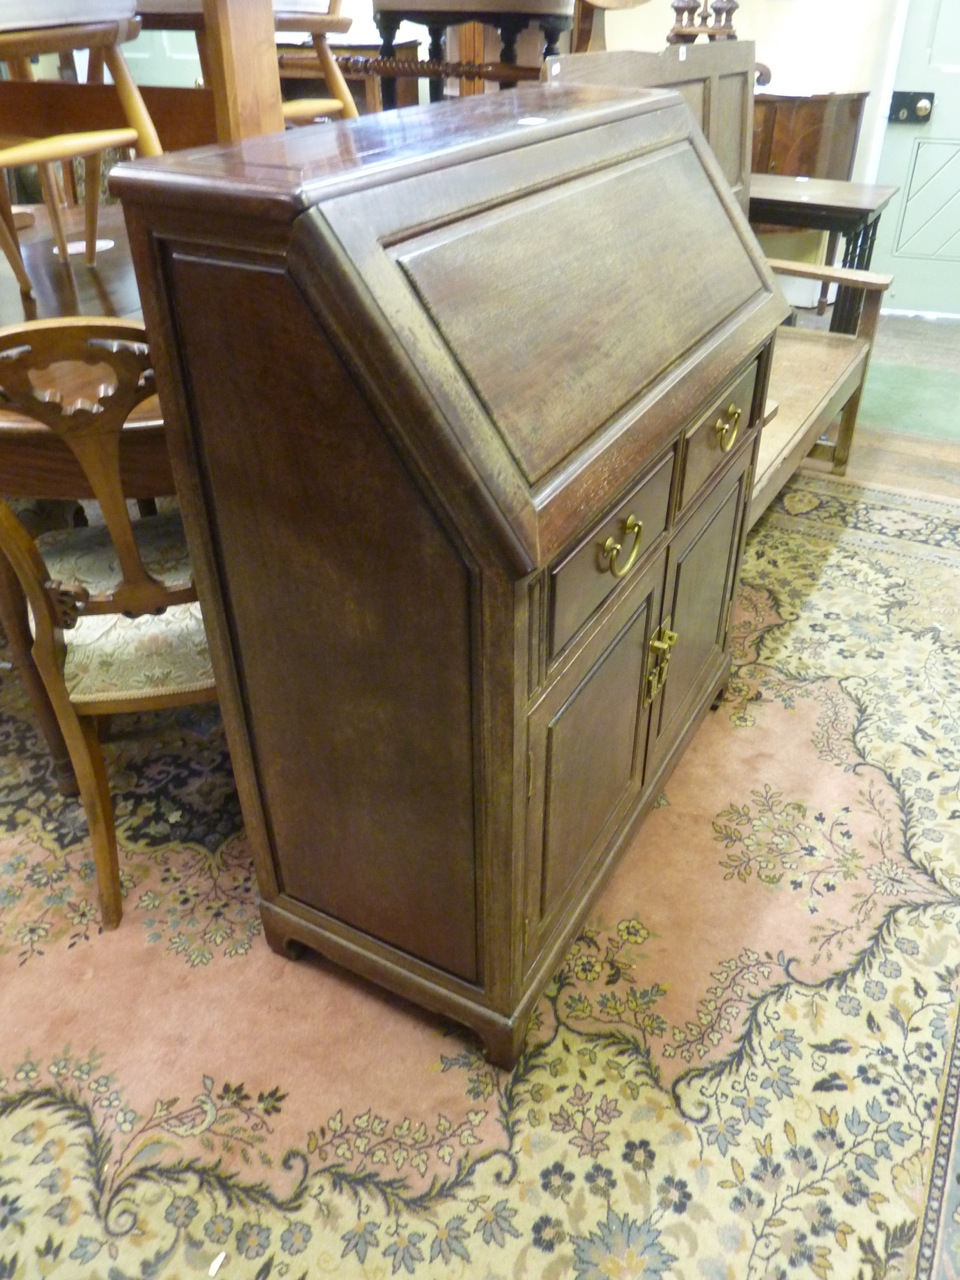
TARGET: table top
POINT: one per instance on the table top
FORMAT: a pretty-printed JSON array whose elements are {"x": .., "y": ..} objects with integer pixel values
[
  {"x": 779, "y": 198},
  {"x": 35, "y": 463}
]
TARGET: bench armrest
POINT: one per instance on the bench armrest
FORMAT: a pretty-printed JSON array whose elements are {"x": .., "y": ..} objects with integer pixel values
[
  {"x": 869, "y": 280},
  {"x": 872, "y": 284}
]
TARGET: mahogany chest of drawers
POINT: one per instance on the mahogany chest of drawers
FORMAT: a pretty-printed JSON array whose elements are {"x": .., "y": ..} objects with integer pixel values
[{"x": 462, "y": 405}]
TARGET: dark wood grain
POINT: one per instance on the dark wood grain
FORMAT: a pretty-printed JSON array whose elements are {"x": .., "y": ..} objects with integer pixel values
[
  {"x": 815, "y": 136},
  {"x": 411, "y": 368},
  {"x": 826, "y": 204}
]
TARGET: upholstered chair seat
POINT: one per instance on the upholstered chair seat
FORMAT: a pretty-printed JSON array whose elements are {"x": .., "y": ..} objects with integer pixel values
[{"x": 111, "y": 657}]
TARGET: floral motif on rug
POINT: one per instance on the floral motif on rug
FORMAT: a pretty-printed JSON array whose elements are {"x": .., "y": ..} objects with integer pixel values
[
  {"x": 745, "y": 1067},
  {"x": 171, "y": 779}
]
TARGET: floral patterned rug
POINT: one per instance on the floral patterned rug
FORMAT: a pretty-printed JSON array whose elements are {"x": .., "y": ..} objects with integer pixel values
[{"x": 745, "y": 1069}]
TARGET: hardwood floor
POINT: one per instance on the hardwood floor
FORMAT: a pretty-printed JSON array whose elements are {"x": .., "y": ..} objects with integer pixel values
[
  {"x": 878, "y": 457},
  {"x": 893, "y": 461},
  {"x": 109, "y": 288}
]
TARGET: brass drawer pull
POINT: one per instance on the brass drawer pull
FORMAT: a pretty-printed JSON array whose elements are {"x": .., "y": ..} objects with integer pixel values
[
  {"x": 727, "y": 431},
  {"x": 611, "y": 548}
]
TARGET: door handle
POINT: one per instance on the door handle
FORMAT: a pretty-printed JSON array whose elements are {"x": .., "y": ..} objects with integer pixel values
[{"x": 910, "y": 108}]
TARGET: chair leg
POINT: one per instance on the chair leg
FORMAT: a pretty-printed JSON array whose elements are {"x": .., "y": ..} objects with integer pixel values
[
  {"x": 848, "y": 422},
  {"x": 51, "y": 198},
  {"x": 98, "y": 806},
  {"x": 8, "y": 239},
  {"x": 92, "y": 167},
  {"x": 334, "y": 77},
  {"x": 134, "y": 107},
  {"x": 83, "y": 742},
  {"x": 13, "y": 616}
]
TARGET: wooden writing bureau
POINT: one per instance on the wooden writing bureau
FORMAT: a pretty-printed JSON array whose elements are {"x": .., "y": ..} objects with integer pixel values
[{"x": 462, "y": 404}]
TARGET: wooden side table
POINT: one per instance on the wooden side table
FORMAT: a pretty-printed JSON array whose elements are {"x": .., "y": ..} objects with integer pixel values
[{"x": 849, "y": 209}]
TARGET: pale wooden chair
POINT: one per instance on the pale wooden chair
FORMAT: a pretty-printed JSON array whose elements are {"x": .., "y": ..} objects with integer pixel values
[
  {"x": 316, "y": 17},
  {"x": 113, "y": 608},
  {"x": 66, "y": 28}
]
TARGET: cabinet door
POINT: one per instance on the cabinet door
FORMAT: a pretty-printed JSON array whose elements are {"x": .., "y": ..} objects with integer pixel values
[
  {"x": 700, "y": 578},
  {"x": 586, "y": 739}
]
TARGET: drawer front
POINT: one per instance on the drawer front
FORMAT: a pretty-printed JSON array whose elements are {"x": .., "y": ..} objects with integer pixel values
[
  {"x": 610, "y": 554},
  {"x": 709, "y": 443}
]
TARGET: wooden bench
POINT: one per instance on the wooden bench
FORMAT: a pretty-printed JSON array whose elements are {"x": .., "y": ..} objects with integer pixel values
[
  {"x": 817, "y": 376},
  {"x": 815, "y": 386}
]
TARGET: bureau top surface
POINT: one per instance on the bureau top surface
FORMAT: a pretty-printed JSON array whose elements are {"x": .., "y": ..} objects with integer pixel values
[{"x": 300, "y": 166}]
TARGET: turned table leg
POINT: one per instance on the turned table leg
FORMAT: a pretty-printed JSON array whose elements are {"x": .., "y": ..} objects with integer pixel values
[{"x": 388, "y": 27}]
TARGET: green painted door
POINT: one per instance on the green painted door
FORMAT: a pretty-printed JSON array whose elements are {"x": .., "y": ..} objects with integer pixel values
[{"x": 919, "y": 235}]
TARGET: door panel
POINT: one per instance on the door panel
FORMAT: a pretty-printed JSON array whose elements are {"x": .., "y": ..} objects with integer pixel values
[
  {"x": 919, "y": 234},
  {"x": 586, "y": 746},
  {"x": 698, "y": 590}
]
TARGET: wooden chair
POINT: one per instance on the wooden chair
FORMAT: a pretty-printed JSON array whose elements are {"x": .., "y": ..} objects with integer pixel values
[
  {"x": 18, "y": 44},
  {"x": 114, "y": 613},
  {"x": 317, "y": 18}
]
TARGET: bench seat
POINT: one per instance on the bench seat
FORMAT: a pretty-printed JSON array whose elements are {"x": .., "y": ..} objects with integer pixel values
[{"x": 816, "y": 381}]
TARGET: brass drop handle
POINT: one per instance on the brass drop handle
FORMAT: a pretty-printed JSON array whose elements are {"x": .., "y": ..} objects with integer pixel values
[
  {"x": 727, "y": 431},
  {"x": 612, "y": 548}
]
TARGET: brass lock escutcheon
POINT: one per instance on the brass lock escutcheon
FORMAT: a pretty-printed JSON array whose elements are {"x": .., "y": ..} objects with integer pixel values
[
  {"x": 727, "y": 430},
  {"x": 610, "y": 551},
  {"x": 661, "y": 646}
]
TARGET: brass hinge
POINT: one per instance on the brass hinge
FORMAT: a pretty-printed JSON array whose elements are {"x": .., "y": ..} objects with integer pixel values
[
  {"x": 529, "y": 775},
  {"x": 526, "y": 933},
  {"x": 726, "y": 618}
]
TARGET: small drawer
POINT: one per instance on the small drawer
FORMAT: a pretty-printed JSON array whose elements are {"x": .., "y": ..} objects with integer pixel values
[
  {"x": 609, "y": 555},
  {"x": 716, "y": 434}
]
